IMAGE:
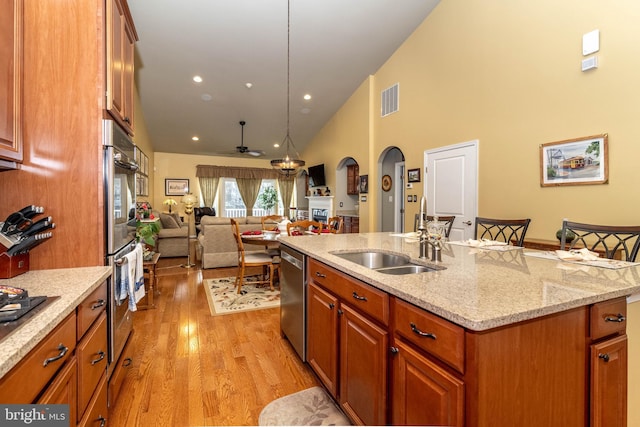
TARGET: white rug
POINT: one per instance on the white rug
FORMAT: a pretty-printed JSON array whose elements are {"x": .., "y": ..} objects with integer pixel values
[
  {"x": 223, "y": 299},
  {"x": 310, "y": 407}
]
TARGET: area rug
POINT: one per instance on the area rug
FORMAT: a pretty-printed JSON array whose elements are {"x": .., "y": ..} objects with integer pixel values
[
  {"x": 223, "y": 298},
  {"x": 310, "y": 407}
]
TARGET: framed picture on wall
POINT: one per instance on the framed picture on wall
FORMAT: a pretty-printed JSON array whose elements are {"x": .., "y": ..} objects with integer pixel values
[
  {"x": 364, "y": 184},
  {"x": 413, "y": 175},
  {"x": 579, "y": 161},
  {"x": 176, "y": 187}
]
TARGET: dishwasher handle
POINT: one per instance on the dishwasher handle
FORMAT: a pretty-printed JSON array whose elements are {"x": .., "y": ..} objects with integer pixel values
[{"x": 291, "y": 260}]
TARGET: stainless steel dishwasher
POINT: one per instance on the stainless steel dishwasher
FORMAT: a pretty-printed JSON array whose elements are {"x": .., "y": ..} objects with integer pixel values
[{"x": 293, "y": 295}]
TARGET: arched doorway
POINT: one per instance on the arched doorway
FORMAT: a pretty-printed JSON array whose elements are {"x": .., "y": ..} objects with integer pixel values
[{"x": 390, "y": 186}]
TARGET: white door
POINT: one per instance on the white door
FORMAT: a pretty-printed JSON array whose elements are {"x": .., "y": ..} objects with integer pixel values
[
  {"x": 399, "y": 195},
  {"x": 451, "y": 186}
]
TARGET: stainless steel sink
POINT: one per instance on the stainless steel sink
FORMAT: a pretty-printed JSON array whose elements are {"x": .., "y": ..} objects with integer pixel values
[
  {"x": 406, "y": 269},
  {"x": 374, "y": 260},
  {"x": 383, "y": 262}
]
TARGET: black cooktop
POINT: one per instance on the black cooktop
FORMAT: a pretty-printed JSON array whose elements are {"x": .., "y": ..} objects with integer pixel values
[{"x": 30, "y": 306}]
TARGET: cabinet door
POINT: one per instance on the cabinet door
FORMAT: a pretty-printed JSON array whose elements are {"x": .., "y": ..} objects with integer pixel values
[
  {"x": 422, "y": 393},
  {"x": 10, "y": 80},
  {"x": 63, "y": 390},
  {"x": 609, "y": 383},
  {"x": 363, "y": 368},
  {"x": 322, "y": 333},
  {"x": 353, "y": 179}
]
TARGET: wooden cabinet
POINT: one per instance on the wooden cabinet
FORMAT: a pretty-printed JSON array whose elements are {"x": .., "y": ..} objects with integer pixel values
[
  {"x": 123, "y": 366},
  {"x": 609, "y": 364},
  {"x": 351, "y": 224},
  {"x": 348, "y": 342},
  {"x": 63, "y": 389},
  {"x": 11, "y": 20},
  {"x": 92, "y": 362},
  {"x": 121, "y": 38},
  {"x": 353, "y": 180},
  {"x": 422, "y": 392}
]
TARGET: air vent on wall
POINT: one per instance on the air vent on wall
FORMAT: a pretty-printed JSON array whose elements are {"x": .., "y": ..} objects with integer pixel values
[{"x": 390, "y": 100}]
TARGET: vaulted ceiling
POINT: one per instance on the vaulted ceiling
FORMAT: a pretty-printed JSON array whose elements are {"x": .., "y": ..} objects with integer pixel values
[{"x": 334, "y": 46}]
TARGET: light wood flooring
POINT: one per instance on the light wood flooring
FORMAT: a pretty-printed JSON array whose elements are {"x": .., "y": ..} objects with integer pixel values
[{"x": 194, "y": 369}]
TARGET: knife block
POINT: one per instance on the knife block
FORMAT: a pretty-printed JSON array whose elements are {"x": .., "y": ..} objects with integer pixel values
[{"x": 11, "y": 266}]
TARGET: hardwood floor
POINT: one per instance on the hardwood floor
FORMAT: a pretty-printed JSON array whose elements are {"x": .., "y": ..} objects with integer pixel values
[{"x": 194, "y": 369}]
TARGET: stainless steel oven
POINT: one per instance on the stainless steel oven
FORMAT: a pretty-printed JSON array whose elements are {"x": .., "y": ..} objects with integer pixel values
[{"x": 120, "y": 201}]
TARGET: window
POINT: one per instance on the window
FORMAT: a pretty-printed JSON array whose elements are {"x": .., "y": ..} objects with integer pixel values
[{"x": 233, "y": 206}]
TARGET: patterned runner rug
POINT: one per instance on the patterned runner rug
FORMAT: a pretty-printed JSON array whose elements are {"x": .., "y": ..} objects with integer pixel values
[
  {"x": 310, "y": 407},
  {"x": 223, "y": 299}
]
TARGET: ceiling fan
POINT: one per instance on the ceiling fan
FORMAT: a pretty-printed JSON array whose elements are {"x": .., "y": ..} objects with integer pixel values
[{"x": 242, "y": 149}]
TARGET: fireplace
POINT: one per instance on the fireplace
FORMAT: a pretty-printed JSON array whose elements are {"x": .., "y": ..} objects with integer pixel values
[{"x": 320, "y": 208}]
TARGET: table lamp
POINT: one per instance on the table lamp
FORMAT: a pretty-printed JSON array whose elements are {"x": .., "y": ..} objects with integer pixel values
[{"x": 170, "y": 202}]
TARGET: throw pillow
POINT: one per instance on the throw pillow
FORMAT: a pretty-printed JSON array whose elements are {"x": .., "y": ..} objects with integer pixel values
[
  {"x": 176, "y": 217},
  {"x": 168, "y": 221}
]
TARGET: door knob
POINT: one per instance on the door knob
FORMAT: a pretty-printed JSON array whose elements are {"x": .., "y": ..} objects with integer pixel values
[{"x": 467, "y": 223}]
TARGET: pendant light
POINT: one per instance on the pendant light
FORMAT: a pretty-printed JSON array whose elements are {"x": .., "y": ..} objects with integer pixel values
[{"x": 291, "y": 161}]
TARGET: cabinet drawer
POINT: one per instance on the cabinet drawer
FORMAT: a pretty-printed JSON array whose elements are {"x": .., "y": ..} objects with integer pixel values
[
  {"x": 432, "y": 334},
  {"x": 92, "y": 361},
  {"x": 123, "y": 365},
  {"x": 97, "y": 411},
  {"x": 89, "y": 310},
  {"x": 365, "y": 298},
  {"x": 29, "y": 377},
  {"x": 608, "y": 318},
  {"x": 63, "y": 390}
]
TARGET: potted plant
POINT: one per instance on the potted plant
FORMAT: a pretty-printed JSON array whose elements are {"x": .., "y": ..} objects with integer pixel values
[
  {"x": 146, "y": 232},
  {"x": 268, "y": 199}
]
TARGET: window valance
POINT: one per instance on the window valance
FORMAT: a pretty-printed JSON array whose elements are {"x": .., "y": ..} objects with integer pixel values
[{"x": 211, "y": 171}]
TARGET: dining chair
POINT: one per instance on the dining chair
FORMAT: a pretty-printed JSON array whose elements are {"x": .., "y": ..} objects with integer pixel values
[
  {"x": 298, "y": 228},
  {"x": 269, "y": 222},
  {"x": 605, "y": 239},
  {"x": 448, "y": 220},
  {"x": 511, "y": 231},
  {"x": 334, "y": 225},
  {"x": 252, "y": 259}
]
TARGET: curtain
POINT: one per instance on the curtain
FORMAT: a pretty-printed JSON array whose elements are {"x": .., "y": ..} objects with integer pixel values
[
  {"x": 286, "y": 186},
  {"x": 210, "y": 171},
  {"x": 249, "y": 189},
  {"x": 208, "y": 187}
]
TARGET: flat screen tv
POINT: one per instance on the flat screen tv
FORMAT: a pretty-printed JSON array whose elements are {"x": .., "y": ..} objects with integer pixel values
[{"x": 316, "y": 176}]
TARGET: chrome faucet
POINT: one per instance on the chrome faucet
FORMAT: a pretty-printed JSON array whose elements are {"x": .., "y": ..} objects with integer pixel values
[{"x": 425, "y": 242}]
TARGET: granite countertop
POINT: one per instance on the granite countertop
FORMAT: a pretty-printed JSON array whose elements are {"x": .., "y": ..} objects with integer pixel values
[
  {"x": 478, "y": 289},
  {"x": 72, "y": 285}
]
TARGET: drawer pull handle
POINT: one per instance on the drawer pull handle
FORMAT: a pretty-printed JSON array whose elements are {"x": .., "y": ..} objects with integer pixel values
[
  {"x": 62, "y": 349},
  {"x": 394, "y": 350},
  {"x": 127, "y": 362},
  {"x": 318, "y": 274},
  {"x": 415, "y": 329},
  {"x": 604, "y": 357},
  {"x": 98, "y": 304},
  {"x": 101, "y": 354},
  {"x": 103, "y": 420},
  {"x": 332, "y": 306},
  {"x": 619, "y": 318},
  {"x": 358, "y": 297}
]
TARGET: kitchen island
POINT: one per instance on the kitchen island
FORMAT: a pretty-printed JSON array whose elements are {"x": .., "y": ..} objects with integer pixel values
[{"x": 489, "y": 338}]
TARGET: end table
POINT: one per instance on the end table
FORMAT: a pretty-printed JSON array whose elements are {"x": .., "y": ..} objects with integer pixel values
[{"x": 149, "y": 269}]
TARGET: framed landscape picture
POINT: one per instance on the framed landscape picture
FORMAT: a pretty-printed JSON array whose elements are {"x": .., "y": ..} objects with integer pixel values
[
  {"x": 176, "y": 187},
  {"x": 413, "y": 175},
  {"x": 579, "y": 161}
]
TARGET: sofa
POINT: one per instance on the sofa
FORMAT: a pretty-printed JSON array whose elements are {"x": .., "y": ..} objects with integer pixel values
[
  {"x": 173, "y": 237},
  {"x": 216, "y": 244}
]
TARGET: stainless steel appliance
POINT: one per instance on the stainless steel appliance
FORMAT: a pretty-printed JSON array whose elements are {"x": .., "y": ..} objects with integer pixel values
[
  {"x": 120, "y": 201},
  {"x": 293, "y": 295}
]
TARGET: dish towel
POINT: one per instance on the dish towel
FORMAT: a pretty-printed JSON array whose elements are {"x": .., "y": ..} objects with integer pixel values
[{"x": 132, "y": 278}]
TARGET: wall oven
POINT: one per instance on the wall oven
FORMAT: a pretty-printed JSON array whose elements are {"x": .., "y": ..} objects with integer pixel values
[{"x": 120, "y": 227}]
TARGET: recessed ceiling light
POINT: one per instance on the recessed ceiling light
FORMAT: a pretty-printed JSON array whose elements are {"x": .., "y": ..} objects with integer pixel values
[
  {"x": 276, "y": 145},
  {"x": 195, "y": 138},
  {"x": 197, "y": 79},
  {"x": 249, "y": 85},
  {"x": 307, "y": 97},
  {"x": 206, "y": 97},
  {"x": 305, "y": 110}
]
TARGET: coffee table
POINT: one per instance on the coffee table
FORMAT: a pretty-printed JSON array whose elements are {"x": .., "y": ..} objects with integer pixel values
[{"x": 149, "y": 269}]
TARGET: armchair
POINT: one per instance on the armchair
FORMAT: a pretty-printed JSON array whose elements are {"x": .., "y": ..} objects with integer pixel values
[{"x": 198, "y": 213}]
